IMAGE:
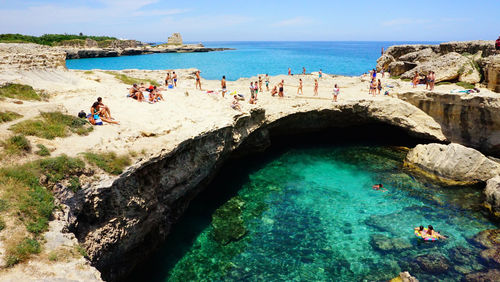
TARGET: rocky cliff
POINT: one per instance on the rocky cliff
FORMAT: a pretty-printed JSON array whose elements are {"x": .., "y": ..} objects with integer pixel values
[
  {"x": 120, "y": 221},
  {"x": 27, "y": 56},
  {"x": 471, "y": 120},
  {"x": 451, "y": 61}
]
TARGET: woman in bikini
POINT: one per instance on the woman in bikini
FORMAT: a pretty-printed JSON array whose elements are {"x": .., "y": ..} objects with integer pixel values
[
  {"x": 281, "y": 93},
  {"x": 267, "y": 82},
  {"x": 379, "y": 86},
  {"x": 300, "y": 87},
  {"x": 415, "y": 79},
  {"x": 198, "y": 80},
  {"x": 98, "y": 115},
  {"x": 260, "y": 84},
  {"x": 315, "y": 87}
]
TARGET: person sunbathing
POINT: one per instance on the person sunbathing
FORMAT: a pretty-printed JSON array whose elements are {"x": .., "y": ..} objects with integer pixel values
[
  {"x": 235, "y": 104},
  {"x": 97, "y": 115},
  {"x": 155, "y": 95},
  {"x": 252, "y": 100},
  {"x": 136, "y": 93}
]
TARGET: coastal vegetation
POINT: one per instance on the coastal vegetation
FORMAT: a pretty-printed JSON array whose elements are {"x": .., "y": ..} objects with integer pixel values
[
  {"x": 51, "y": 39},
  {"x": 131, "y": 80},
  {"x": 109, "y": 162},
  {"x": 50, "y": 125},
  {"x": 465, "y": 85},
  {"x": 9, "y": 116},
  {"x": 19, "y": 91},
  {"x": 16, "y": 145},
  {"x": 43, "y": 151}
]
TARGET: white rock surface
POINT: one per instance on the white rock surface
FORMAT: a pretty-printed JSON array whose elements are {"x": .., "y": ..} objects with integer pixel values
[{"x": 492, "y": 193}]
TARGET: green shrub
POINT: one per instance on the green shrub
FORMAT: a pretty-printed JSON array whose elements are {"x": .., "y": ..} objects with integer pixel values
[
  {"x": 16, "y": 145},
  {"x": 88, "y": 72},
  {"x": 74, "y": 184},
  {"x": 60, "y": 167},
  {"x": 53, "y": 124},
  {"x": 22, "y": 251},
  {"x": 406, "y": 79},
  {"x": 49, "y": 39},
  {"x": 81, "y": 251},
  {"x": 109, "y": 162},
  {"x": 465, "y": 85},
  {"x": 4, "y": 205},
  {"x": 9, "y": 116},
  {"x": 19, "y": 91},
  {"x": 2, "y": 224},
  {"x": 396, "y": 77},
  {"x": 131, "y": 80},
  {"x": 43, "y": 151},
  {"x": 443, "y": 83}
]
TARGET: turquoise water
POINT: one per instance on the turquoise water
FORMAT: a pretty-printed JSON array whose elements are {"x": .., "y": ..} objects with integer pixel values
[
  {"x": 252, "y": 58},
  {"x": 310, "y": 214}
]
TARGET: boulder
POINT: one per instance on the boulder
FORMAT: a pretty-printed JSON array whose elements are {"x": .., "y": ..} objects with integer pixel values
[
  {"x": 384, "y": 243},
  {"x": 397, "y": 51},
  {"x": 420, "y": 56},
  {"x": 452, "y": 164},
  {"x": 486, "y": 47},
  {"x": 492, "y": 193},
  {"x": 384, "y": 61},
  {"x": 483, "y": 276},
  {"x": 433, "y": 263},
  {"x": 404, "y": 277},
  {"x": 487, "y": 238},
  {"x": 447, "y": 67},
  {"x": 398, "y": 68},
  {"x": 491, "y": 67}
]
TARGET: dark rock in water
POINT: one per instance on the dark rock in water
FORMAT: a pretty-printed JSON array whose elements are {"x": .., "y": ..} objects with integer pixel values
[
  {"x": 433, "y": 263},
  {"x": 487, "y": 238},
  {"x": 227, "y": 222},
  {"x": 463, "y": 255},
  {"x": 491, "y": 256},
  {"x": 386, "y": 244},
  {"x": 491, "y": 275}
]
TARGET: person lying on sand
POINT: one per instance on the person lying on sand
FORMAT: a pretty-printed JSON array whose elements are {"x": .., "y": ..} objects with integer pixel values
[
  {"x": 97, "y": 115},
  {"x": 235, "y": 104},
  {"x": 136, "y": 93},
  {"x": 104, "y": 109}
]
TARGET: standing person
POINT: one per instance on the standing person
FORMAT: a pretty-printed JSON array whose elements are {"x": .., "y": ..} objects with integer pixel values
[
  {"x": 382, "y": 53},
  {"x": 174, "y": 76},
  {"x": 223, "y": 85},
  {"x": 303, "y": 70},
  {"x": 427, "y": 79},
  {"x": 289, "y": 71},
  {"x": 320, "y": 74},
  {"x": 373, "y": 87},
  {"x": 379, "y": 86},
  {"x": 336, "y": 92},
  {"x": 415, "y": 79},
  {"x": 256, "y": 89},
  {"x": 432, "y": 80},
  {"x": 252, "y": 90},
  {"x": 281, "y": 88},
  {"x": 267, "y": 82},
  {"x": 167, "y": 79},
  {"x": 315, "y": 87},
  {"x": 374, "y": 73},
  {"x": 198, "y": 79},
  {"x": 497, "y": 44},
  {"x": 260, "y": 84},
  {"x": 300, "y": 87}
]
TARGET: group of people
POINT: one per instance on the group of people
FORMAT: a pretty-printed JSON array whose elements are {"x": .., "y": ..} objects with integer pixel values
[
  {"x": 137, "y": 92},
  {"x": 375, "y": 84},
  {"x": 99, "y": 113},
  {"x": 428, "y": 79},
  {"x": 428, "y": 233},
  {"x": 320, "y": 73}
]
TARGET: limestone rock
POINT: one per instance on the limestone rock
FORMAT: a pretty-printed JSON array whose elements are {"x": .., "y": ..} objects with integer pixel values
[
  {"x": 452, "y": 164},
  {"x": 397, "y": 51},
  {"x": 384, "y": 61},
  {"x": 433, "y": 263},
  {"x": 492, "y": 193},
  {"x": 421, "y": 56},
  {"x": 486, "y": 47},
  {"x": 124, "y": 44},
  {"x": 175, "y": 39},
  {"x": 447, "y": 67},
  {"x": 404, "y": 277},
  {"x": 90, "y": 43},
  {"x": 483, "y": 276},
  {"x": 398, "y": 68},
  {"x": 492, "y": 72},
  {"x": 28, "y": 56}
]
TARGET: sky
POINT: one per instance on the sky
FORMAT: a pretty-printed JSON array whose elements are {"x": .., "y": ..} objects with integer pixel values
[{"x": 256, "y": 20}]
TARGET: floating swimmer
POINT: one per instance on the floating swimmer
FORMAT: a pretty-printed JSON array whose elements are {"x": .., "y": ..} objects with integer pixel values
[
  {"x": 379, "y": 187},
  {"x": 428, "y": 234}
]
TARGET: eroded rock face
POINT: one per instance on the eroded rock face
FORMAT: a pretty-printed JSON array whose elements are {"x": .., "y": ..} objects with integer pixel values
[
  {"x": 453, "y": 163},
  {"x": 491, "y": 68},
  {"x": 121, "y": 221},
  {"x": 471, "y": 120},
  {"x": 492, "y": 193},
  {"x": 483, "y": 276},
  {"x": 447, "y": 67},
  {"x": 27, "y": 56}
]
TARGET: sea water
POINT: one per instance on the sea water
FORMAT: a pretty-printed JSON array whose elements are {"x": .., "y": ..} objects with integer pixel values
[
  {"x": 252, "y": 58},
  {"x": 310, "y": 214}
]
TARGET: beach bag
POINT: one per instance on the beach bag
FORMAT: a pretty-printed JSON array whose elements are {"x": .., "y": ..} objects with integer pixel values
[{"x": 82, "y": 114}]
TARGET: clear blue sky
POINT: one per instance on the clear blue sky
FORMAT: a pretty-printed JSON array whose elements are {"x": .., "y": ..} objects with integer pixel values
[{"x": 224, "y": 20}]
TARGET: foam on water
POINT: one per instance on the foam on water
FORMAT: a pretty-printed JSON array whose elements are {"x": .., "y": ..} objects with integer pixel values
[{"x": 311, "y": 214}]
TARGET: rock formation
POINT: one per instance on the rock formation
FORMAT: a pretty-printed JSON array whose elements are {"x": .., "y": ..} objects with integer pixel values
[
  {"x": 471, "y": 120},
  {"x": 119, "y": 222},
  {"x": 452, "y": 164},
  {"x": 451, "y": 61},
  {"x": 124, "y": 44},
  {"x": 491, "y": 68},
  {"x": 175, "y": 39},
  {"x": 492, "y": 193},
  {"x": 404, "y": 277},
  {"x": 27, "y": 56}
]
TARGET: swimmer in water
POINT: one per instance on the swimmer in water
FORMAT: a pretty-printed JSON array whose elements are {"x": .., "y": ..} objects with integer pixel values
[
  {"x": 379, "y": 187},
  {"x": 431, "y": 232}
]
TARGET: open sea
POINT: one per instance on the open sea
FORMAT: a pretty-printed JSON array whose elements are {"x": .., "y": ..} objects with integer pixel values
[{"x": 252, "y": 58}]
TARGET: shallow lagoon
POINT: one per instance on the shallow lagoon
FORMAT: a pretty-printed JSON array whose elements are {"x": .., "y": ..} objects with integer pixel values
[{"x": 311, "y": 214}]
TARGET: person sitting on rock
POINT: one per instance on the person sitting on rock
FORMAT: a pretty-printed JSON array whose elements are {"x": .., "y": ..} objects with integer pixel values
[{"x": 432, "y": 233}]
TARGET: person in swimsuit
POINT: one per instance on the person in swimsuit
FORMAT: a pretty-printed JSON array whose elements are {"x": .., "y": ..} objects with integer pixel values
[
  {"x": 252, "y": 89},
  {"x": 174, "y": 76},
  {"x": 379, "y": 86},
  {"x": 275, "y": 90},
  {"x": 315, "y": 87},
  {"x": 336, "y": 92},
  {"x": 104, "y": 109},
  {"x": 223, "y": 85},
  {"x": 98, "y": 114},
  {"x": 303, "y": 70},
  {"x": 374, "y": 73},
  {"x": 373, "y": 86},
  {"x": 432, "y": 79},
  {"x": 421, "y": 231},
  {"x": 281, "y": 93},
  {"x": 198, "y": 80},
  {"x": 252, "y": 100},
  {"x": 299, "y": 90},
  {"x": 379, "y": 187},
  {"x": 235, "y": 104},
  {"x": 167, "y": 79},
  {"x": 136, "y": 93},
  {"x": 256, "y": 89},
  {"x": 289, "y": 71},
  {"x": 260, "y": 84},
  {"x": 431, "y": 232},
  {"x": 415, "y": 79},
  {"x": 320, "y": 74},
  {"x": 156, "y": 95},
  {"x": 267, "y": 82}
]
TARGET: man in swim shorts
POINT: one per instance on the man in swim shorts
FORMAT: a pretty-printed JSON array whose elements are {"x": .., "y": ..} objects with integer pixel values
[
  {"x": 174, "y": 76},
  {"x": 198, "y": 80},
  {"x": 223, "y": 85}
]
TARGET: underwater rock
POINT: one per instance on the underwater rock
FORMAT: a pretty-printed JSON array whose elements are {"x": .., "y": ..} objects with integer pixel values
[
  {"x": 492, "y": 193},
  {"x": 433, "y": 263},
  {"x": 227, "y": 222},
  {"x": 384, "y": 243},
  {"x": 451, "y": 164},
  {"x": 491, "y": 256},
  {"x": 488, "y": 238},
  {"x": 484, "y": 276}
]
